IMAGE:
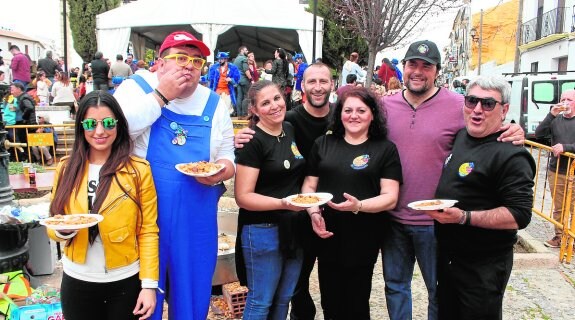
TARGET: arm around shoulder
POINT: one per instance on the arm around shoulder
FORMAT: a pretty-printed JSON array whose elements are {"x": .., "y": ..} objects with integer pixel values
[{"x": 141, "y": 109}]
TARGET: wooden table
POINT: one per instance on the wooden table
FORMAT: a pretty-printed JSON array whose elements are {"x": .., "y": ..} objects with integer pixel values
[{"x": 44, "y": 181}]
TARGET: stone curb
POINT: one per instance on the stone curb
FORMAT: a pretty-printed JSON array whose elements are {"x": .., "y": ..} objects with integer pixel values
[{"x": 539, "y": 257}]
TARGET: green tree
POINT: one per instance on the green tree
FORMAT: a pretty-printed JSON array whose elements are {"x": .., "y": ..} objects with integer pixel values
[
  {"x": 82, "y": 17},
  {"x": 338, "y": 42}
]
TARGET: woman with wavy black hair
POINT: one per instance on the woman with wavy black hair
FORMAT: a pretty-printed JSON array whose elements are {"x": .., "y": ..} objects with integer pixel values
[
  {"x": 111, "y": 269},
  {"x": 361, "y": 168}
]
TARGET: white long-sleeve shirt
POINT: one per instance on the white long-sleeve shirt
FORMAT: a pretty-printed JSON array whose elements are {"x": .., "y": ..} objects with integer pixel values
[{"x": 142, "y": 110}]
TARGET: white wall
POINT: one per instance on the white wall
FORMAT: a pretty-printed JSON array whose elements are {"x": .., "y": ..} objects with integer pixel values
[
  {"x": 491, "y": 68},
  {"x": 34, "y": 48},
  {"x": 547, "y": 56}
]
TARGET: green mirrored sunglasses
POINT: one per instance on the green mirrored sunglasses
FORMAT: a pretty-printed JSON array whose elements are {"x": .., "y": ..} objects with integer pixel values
[{"x": 91, "y": 124}]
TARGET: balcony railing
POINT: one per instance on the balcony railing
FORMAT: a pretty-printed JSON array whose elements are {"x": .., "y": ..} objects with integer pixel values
[{"x": 558, "y": 20}]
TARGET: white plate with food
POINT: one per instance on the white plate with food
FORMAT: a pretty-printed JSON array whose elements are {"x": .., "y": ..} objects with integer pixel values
[
  {"x": 200, "y": 169},
  {"x": 72, "y": 221},
  {"x": 434, "y": 204},
  {"x": 308, "y": 200}
]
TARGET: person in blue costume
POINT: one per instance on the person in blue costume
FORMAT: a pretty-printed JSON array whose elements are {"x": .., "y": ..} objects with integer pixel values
[
  {"x": 299, "y": 70},
  {"x": 398, "y": 73},
  {"x": 223, "y": 77},
  {"x": 175, "y": 120}
]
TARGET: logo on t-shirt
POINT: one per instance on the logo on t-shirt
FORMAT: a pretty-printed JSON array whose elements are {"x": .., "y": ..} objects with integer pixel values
[
  {"x": 295, "y": 151},
  {"x": 360, "y": 162},
  {"x": 466, "y": 168}
]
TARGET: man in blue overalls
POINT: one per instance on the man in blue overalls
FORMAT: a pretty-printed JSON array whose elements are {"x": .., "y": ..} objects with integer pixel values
[{"x": 174, "y": 120}]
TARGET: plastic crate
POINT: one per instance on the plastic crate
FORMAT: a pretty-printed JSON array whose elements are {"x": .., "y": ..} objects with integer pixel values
[{"x": 235, "y": 297}]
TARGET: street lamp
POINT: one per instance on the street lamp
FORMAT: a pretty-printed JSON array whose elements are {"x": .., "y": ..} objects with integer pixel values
[{"x": 478, "y": 38}]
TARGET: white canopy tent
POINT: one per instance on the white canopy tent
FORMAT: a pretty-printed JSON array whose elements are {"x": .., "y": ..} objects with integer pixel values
[{"x": 225, "y": 25}]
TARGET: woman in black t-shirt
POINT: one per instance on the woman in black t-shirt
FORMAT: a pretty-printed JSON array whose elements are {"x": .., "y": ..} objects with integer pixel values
[
  {"x": 269, "y": 168},
  {"x": 361, "y": 168}
]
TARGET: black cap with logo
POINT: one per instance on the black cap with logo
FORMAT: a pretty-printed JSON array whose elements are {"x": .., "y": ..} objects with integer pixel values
[{"x": 424, "y": 50}]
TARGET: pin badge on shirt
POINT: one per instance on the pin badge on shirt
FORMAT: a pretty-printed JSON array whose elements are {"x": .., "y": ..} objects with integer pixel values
[
  {"x": 286, "y": 164},
  {"x": 181, "y": 133}
]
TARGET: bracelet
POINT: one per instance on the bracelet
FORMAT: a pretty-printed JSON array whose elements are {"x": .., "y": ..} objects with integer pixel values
[
  {"x": 465, "y": 218},
  {"x": 161, "y": 96},
  {"x": 358, "y": 209},
  {"x": 315, "y": 212}
]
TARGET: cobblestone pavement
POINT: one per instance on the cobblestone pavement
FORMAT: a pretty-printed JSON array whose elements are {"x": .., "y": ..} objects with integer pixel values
[{"x": 531, "y": 293}]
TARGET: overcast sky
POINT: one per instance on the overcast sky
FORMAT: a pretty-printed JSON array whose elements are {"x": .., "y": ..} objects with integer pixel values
[{"x": 40, "y": 18}]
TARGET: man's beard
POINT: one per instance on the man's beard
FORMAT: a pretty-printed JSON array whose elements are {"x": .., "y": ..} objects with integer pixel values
[
  {"x": 418, "y": 92},
  {"x": 318, "y": 105}
]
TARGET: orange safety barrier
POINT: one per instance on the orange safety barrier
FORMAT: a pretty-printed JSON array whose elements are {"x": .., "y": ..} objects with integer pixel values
[
  {"x": 545, "y": 191},
  {"x": 44, "y": 139}
]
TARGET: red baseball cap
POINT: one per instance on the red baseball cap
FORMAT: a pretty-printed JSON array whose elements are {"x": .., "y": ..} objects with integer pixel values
[{"x": 181, "y": 39}]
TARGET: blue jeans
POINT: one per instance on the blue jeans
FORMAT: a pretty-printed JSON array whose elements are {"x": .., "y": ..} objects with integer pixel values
[
  {"x": 271, "y": 277},
  {"x": 403, "y": 244}
]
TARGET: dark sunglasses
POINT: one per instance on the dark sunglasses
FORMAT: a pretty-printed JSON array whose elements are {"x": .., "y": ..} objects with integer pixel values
[
  {"x": 487, "y": 104},
  {"x": 91, "y": 124}
]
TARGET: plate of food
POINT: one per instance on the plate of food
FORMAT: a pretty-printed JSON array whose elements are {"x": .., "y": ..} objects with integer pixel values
[
  {"x": 434, "y": 204},
  {"x": 308, "y": 200},
  {"x": 200, "y": 168},
  {"x": 71, "y": 221}
]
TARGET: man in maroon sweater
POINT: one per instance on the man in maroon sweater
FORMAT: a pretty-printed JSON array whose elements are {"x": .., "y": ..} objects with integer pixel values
[{"x": 20, "y": 66}]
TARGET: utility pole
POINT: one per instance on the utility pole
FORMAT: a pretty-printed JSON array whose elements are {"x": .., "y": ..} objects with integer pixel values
[
  {"x": 480, "y": 43},
  {"x": 314, "y": 30},
  {"x": 518, "y": 35},
  {"x": 65, "y": 27}
]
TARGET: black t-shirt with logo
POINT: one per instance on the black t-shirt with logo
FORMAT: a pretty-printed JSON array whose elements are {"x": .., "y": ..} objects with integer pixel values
[
  {"x": 282, "y": 169},
  {"x": 307, "y": 127},
  {"x": 357, "y": 170}
]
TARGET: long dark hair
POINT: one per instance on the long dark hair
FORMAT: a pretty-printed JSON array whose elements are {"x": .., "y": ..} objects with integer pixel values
[
  {"x": 388, "y": 63},
  {"x": 252, "y": 93},
  {"x": 377, "y": 128},
  {"x": 283, "y": 56},
  {"x": 74, "y": 169}
]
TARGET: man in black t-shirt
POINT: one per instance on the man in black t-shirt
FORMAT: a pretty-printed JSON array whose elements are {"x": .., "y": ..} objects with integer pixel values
[
  {"x": 310, "y": 120},
  {"x": 493, "y": 183}
]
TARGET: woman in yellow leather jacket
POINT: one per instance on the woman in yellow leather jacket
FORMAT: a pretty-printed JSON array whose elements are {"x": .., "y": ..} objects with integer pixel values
[{"x": 111, "y": 269}]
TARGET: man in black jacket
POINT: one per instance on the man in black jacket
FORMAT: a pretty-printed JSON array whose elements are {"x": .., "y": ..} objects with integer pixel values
[
  {"x": 49, "y": 65},
  {"x": 100, "y": 70},
  {"x": 559, "y": 126},
  {"x": 25, "y": 113}
]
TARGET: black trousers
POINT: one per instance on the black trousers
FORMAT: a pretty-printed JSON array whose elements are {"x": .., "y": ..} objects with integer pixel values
[
  {"x": 83, "y": 300},
  {"x": 345, "y": 291},
  {"x": 302, "y": 305},
  {"x": 472, "y": 287}
]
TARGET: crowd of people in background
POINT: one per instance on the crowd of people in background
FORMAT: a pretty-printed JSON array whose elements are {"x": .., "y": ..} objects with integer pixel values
[{"x": 179, "y": 110}]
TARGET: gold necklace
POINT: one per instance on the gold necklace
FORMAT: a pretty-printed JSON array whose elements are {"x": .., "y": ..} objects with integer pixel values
[{"x": 265, "y": 129}]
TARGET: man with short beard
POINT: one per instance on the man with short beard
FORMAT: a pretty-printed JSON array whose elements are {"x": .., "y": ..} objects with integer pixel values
[
  {"x": 422, "y": 122},
  {"x": 310, "y": 120}
]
